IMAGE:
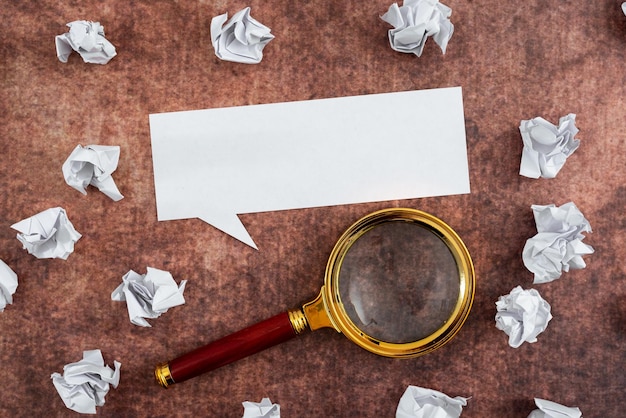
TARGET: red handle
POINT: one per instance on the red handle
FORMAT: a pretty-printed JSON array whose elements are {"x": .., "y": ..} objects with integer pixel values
[{"x": 234, "y": 347}]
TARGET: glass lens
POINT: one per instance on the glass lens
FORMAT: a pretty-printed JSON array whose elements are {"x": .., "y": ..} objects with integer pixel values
[{"x": 399, "y": 282}]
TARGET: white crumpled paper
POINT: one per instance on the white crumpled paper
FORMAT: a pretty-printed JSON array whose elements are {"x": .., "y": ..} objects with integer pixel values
[
  {"x": 418, "y": 402},
  {"x": 242, "y": 39},
  {"x": 522, "y": 315},
  {"x": 546, "y": 146},
  {"x": 148, "y": 295},
  {"x": 558, "y": 245},
  {"x": 549, "y": 409},
  {"x": 93, "y": 165},
  {"x": 48, "y": 234},
  {"x": 8, "y": 285},
  {"x": 84, "y": 384},
  {"x": 86, "y": 38},
  {"x": 415, "y": 21},
  {"x": 263, "y": 409},
  {"x": 624, "y": 7}
]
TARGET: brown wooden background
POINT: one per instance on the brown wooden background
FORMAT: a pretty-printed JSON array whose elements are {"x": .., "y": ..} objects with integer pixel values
[{"x": 514, "y": 60}]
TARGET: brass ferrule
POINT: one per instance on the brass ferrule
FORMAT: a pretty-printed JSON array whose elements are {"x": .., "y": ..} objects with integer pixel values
[
  {"x": 163, "y": 375},
  {"x": 298, "y": 321}
]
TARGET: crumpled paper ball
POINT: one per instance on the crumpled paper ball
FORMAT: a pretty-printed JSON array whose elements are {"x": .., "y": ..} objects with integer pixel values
[
  {"x": 558, "y": 245},
  {"x": 8, "y": 285},
  {"x": 84, "y": 384},
  {"x": 149, "y": 295},
  {"x": 48, "y": 234},
  {"x": 522, "y": 315},
  {"x": 241, "y": 40},
  {"x": 418, "y": 402},
  {"x": 624, "y": 7},
  {"x": 263, "y": 409},
  {"x": 93, "y": 165},
  {"x": 547, "y": 146},
  {"x": 86, "y": 38},
  {"x": 549, "y": 409},
  {"x": 415, "y": 21}
]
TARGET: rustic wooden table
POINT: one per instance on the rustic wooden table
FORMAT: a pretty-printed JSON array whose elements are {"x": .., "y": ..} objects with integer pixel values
[{"x": 514, "y": 61}]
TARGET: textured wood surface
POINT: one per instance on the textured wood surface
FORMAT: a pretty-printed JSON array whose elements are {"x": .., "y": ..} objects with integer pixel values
[{"x": 514, "y": 60}]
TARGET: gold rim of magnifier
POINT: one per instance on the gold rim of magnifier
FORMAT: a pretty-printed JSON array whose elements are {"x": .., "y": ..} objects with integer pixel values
[{"x": 339, "y": 318}]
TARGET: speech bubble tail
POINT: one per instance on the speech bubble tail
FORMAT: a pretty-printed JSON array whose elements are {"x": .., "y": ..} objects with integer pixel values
[{"x": 230, "y": 224}]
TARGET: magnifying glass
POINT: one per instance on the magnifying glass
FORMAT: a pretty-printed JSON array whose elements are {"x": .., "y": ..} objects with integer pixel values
[{"x": 399, "y": 283}]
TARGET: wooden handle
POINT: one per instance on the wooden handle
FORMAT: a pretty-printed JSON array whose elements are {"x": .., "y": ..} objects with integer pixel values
[{"x": 234, "y": 347}]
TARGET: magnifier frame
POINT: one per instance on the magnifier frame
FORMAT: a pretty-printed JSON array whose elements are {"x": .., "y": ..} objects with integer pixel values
[{"x": 339, "y": 319}]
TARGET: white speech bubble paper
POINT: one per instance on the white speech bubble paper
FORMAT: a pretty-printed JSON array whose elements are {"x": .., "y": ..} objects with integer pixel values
[{"x": 215, "y": 164}]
